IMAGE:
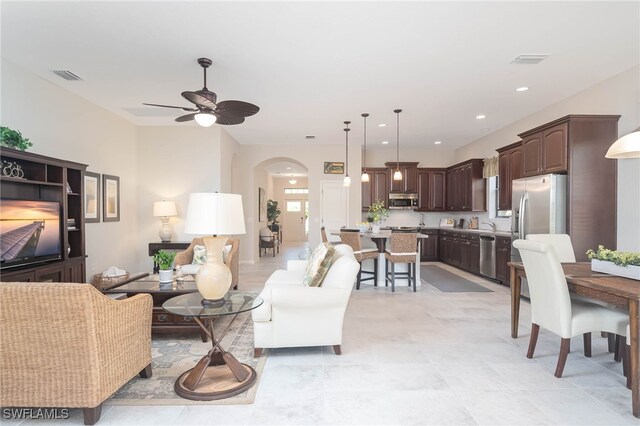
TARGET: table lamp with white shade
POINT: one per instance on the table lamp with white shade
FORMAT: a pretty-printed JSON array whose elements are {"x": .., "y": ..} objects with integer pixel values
[
  {"x": 164, "y": 210},
  {"x": 214, "y": 214}
]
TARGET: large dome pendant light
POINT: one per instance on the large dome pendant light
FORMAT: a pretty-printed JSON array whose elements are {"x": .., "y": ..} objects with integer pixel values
[
  {"x": 397, "y": 175},
  {"x": 365, "y": 175},
  {"x": 347, "y": 179}
]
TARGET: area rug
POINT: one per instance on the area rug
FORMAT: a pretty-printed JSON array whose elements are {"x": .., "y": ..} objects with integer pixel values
[
  {"x": 173, "y": 354},
  {"x": 448, "y": 282}
]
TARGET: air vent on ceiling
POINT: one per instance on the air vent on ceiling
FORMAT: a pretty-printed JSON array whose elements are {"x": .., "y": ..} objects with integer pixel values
[
  {"x": 310, "y": 137},
  {"x": 67, "y": 75},
  {"x": 529, "y": 59}
]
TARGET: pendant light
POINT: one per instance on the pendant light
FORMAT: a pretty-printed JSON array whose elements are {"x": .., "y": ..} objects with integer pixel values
[
  {"x": 626, "y": 147},
  {"x": 292, "y": 180},
  {"x": 365, "y": 175},
  {"x": 347, "y": 179},
  {"x": 397, "y": 175}
]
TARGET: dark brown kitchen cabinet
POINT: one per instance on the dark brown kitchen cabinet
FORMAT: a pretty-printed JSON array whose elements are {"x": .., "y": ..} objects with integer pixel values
[
  {"x": 509, "y": 168},
  {"x": 460, "y": 249},
  {"x": 376, "y": 189},
  {"x": 577, "y": 144},
  {"x": 466, "y": 188},
  {"x": 409, "y": 182},
  {"x": 503, "y": 256},
  {"x": 429, "y": 245},
  {"x": 431, "y": 190},
  {"x": 545, "y": 151}
]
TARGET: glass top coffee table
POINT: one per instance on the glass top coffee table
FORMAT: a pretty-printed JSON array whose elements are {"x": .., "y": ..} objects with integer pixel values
[{"x": 218, "y": 374}]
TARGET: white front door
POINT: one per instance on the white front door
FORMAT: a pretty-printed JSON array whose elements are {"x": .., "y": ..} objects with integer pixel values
[
  {"x": 334, "y": 206},
  {"x": 294, "y": 219}
]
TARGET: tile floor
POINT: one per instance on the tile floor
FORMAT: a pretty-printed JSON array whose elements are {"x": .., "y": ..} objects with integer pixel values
[{"x": 416, "y": 358}]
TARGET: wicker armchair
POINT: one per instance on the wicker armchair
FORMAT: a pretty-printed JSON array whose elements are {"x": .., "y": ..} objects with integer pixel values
[
  {"x": 186, "y": 257},
  {"x": 67, "y": 345}
]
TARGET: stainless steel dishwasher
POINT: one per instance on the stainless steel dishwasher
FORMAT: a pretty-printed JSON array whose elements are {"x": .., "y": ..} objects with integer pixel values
[{"x": 488, "y": 256}]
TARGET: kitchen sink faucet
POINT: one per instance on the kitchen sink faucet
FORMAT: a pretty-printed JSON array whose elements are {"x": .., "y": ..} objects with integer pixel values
[{"x": 491, "y": 225}]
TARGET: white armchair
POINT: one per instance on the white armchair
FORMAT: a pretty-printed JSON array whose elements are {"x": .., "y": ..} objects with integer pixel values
[{"x": 294, "y": 315}]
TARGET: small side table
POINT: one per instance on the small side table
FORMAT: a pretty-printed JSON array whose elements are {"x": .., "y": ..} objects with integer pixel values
[
  {"x": 156, "y": 247},
  {"x": 218, "y": 374}
]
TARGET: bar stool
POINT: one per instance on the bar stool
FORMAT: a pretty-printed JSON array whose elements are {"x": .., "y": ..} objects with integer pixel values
[
  {"x": 352, "y": 238},
  {"x": 402, "y": 248}
]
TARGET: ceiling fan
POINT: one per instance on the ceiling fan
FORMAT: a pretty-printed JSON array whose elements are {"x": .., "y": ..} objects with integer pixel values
[{"x": 207, "y": 109}]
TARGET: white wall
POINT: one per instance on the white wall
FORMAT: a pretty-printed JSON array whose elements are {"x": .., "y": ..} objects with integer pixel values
[
  {"x": 174, "y": 162},
  {"x": 617, "y": 95},
  {"x": 63, "y": 125}
]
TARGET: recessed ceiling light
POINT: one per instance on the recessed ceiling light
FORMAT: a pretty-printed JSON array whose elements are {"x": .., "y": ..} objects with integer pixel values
[
  {"x": 288, "y": 168},
  {"x": 480, "y": 117},
  {"x": 385, "y": 142},
  {"x": 437, "y": 142},
  {"x": 522, "y": 89},
  {"x": 382, "y": 125}
]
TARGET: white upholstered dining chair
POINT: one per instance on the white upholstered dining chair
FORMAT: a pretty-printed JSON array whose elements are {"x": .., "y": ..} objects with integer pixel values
[
  {"x": 561, "y": 243},
  {"x": 553, "y": 309}
]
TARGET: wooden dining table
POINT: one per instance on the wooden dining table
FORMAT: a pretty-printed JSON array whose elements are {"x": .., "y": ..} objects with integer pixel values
[{"x": 623, "y": 293}]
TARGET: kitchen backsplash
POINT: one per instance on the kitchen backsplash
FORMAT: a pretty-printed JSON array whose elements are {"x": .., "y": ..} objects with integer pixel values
[{"x": 432, "y": 219}]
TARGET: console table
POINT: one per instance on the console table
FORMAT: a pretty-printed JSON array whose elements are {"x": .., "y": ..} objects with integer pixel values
[{"x": 156, "y": 247}]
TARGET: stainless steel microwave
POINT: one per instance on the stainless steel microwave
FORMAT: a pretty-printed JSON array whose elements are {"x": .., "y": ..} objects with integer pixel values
[{"x": 403, "y": 201}]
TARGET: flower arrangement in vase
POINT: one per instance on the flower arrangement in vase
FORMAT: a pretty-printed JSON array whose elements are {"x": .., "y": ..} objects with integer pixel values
[
  {"x": 377, "y": 213},
  {"x": 622, "y": 264}
]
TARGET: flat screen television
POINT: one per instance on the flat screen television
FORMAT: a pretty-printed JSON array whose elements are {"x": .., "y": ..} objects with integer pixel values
[{"x": 29, "y": 232}]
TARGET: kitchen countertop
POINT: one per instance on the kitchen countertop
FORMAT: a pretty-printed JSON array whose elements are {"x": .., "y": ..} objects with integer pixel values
[{"x": 475, "y": 231}]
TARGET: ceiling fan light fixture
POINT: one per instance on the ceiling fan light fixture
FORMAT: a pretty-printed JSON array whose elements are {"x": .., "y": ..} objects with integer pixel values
[
  {"x": 627, "y": 146},
  {"x": 205, "y": 119}
]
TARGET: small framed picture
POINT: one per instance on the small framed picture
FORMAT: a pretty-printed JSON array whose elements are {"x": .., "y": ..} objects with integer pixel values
[
  {"x": 91, "y": 197},
  {"x": 333, "y": 168},
  {"x": 110, "y": 198}
]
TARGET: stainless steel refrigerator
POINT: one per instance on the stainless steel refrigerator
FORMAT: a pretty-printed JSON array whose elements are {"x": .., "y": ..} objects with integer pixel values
[{"x": 539, "y": 206}]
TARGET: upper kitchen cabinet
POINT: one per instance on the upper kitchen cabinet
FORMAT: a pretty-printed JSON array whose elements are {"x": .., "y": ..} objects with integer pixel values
[
  {"x": 465, "y": 186},
  {"x": 577, "y": 144},
  {"x": 431, "y": 190},
  {"x": 409, "y": 182},
  {"x": 509, "y": 168},
  {"x": 544, "y": 150},
  {"x": 376, "y": 189}
]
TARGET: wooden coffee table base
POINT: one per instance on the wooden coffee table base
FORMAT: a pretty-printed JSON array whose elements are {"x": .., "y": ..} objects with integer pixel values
[{"x": 217, "y": 382}]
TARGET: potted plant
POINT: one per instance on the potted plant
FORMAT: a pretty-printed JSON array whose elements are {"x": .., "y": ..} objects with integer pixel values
[
  {"x": 164, "y": 260},
  {"x": 377, "y": 213},
  {"x": 273, "y": 212},
  {"x": 623, "y": 264},
  {"x": 13, "y": 139}
]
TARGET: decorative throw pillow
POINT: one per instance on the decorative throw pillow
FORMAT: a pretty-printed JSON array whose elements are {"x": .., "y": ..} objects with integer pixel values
[
  {"x": 199, "y": 255},
  {"x": 319, "y": 264}
]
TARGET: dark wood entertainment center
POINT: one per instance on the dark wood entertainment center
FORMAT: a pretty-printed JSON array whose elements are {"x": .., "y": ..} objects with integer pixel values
[{"x": 48, "y": 179}]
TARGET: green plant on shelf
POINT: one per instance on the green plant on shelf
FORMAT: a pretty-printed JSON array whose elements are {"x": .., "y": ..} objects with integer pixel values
[
  {"x": 13, "y": 139},
  {"x": 377, "y": 212},
  {"x": 164, "y": 259},
  {"x": 620, "y": 258}
]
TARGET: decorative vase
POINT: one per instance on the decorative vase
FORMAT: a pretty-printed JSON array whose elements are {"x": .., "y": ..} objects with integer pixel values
[
  {"x": 213, "y": 278},
  {"x": 165, "y": 276},
  {"x": 630, "y": 271},
  {"x": 375, "y": 229}
]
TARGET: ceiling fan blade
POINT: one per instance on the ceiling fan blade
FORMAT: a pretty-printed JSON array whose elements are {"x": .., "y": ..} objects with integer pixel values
[
  {"x": 228, "y": 119},
  {"x": 237, "y": 108},
  {"x": 187, "y": 117},
  {"x": 171, "y": 106},
  {"x": 201, "y": 98}
]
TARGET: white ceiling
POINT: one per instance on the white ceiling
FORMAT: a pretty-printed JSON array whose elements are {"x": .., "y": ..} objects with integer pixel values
[
  {"x": 285, "y": 168},
  {"x": 312, "y": 65}
]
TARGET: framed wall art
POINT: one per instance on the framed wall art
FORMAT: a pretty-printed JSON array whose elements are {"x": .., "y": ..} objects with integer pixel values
[
  {"x": 333, "y": 168},
  {"x": 262, "y": 205},
  {"x": 91, "y": 197},
  {"x": 110, "y": 198}
]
